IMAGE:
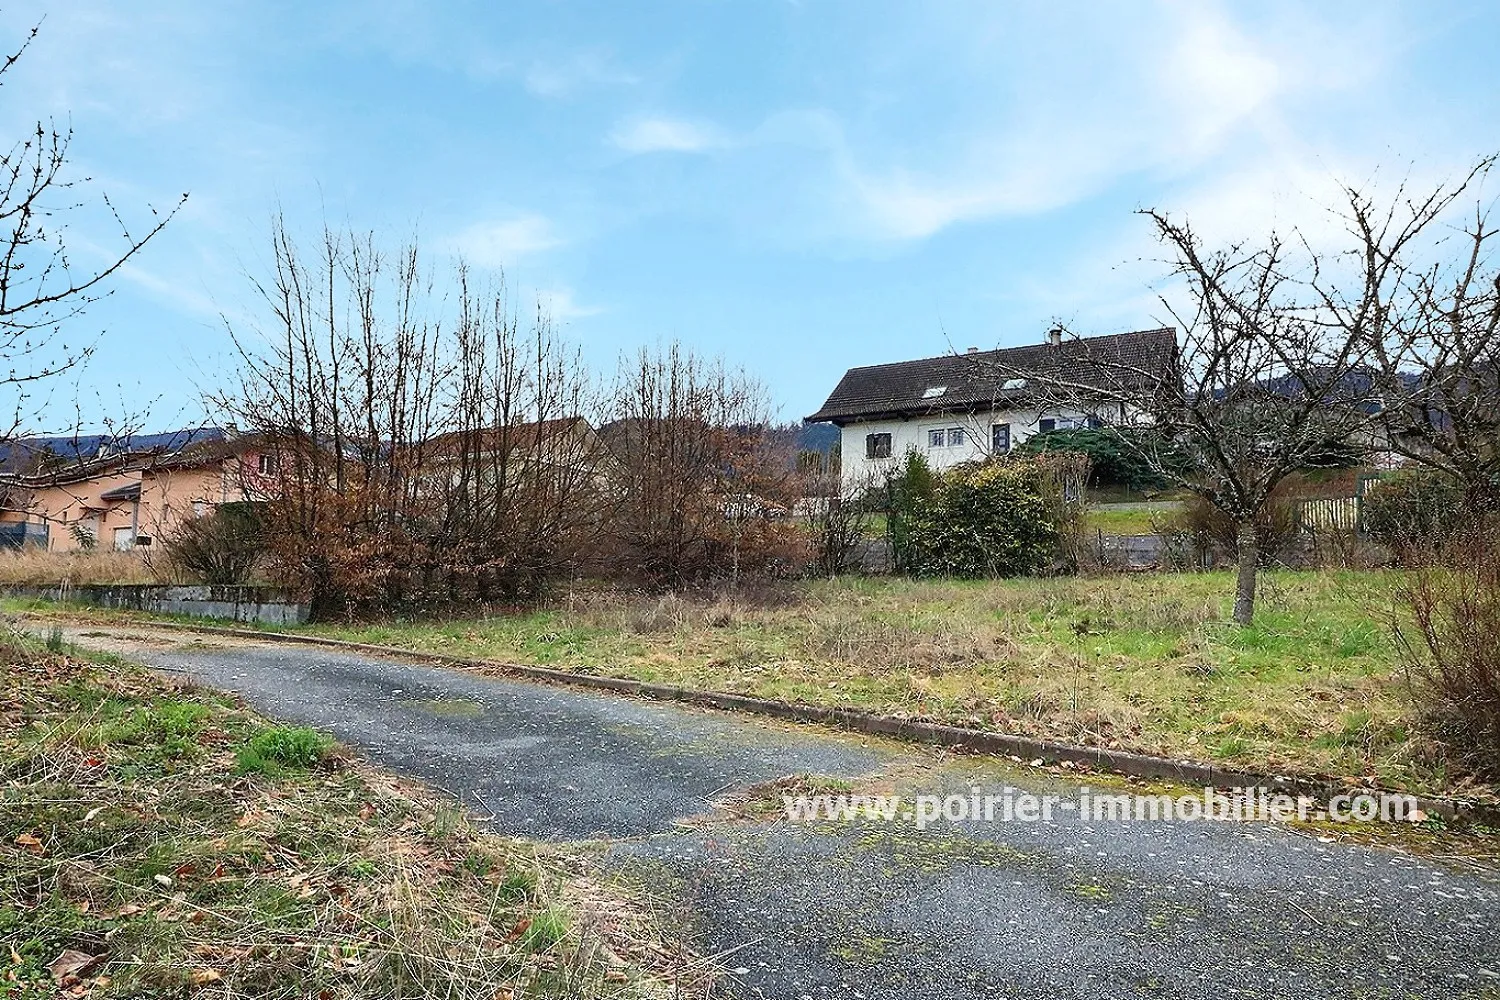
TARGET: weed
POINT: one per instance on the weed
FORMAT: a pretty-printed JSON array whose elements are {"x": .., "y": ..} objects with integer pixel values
[
  {"x": 283, "y": 747},
  {"x": 547, "y": 929},
  {"x": 444, "y": 821},
  {"x": 517, "y": 885}
]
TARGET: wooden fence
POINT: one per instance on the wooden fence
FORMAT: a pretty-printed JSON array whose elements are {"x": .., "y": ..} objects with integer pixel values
[{"x": 1335, "y": 513}]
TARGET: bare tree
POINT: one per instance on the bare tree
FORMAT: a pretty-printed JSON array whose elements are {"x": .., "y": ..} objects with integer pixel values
[
  {"x": 525, "y": 485},
  {"x": 414, "y": 443},
  {"x": 840, "y": 516},
  {"x": 697, "y": 478},
  {"x": 42, "y": 286},
  {"x": 1428, "y": 308},
  {"x": 337, "y": 391},
  {"x": 1264, "y": 384}
]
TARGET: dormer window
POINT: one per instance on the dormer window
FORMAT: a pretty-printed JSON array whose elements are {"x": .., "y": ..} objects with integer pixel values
[{"x": 933, "y": 392}]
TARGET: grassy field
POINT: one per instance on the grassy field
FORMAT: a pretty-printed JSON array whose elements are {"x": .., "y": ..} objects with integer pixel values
[
  {"x": 1137, "y": 521},
  {"x": 159, "y": 841},
  {"x": 1146, "y": 662}
]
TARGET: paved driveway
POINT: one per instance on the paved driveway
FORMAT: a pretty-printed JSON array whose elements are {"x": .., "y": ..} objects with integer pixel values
[{"x": 880, "y": 909}]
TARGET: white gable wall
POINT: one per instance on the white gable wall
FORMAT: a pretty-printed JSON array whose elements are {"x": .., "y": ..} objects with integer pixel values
[{"x": 913, "y": 434}]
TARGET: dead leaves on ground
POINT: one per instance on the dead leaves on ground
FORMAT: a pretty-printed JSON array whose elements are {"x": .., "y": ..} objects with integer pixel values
[{"x": 186, "y": 875}]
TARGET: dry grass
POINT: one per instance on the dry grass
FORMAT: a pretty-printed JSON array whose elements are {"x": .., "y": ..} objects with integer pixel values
[
  {"x": 141, "y": 858},
  {"x": 38, "y": 567},
  {"x": 1147, "y": 662}
]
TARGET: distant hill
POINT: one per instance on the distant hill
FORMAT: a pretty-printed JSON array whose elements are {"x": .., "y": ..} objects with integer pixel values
[
  {"x": 22, "y": 453},
  {"x": 817, "y": 437}
]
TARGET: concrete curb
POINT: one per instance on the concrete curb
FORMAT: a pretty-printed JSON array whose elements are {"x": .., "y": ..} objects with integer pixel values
[{"x": 974, "y": 740}]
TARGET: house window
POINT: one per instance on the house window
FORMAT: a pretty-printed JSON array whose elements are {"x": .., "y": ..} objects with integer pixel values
[
  {"x": 877, "y": 446},
  {"x": 955, "y": 437},
  {"x": 1093, "y": 422},
  {"x": 937, "y": 438},
  {"x": 268, "y": 464},
  {"x": 1046, "y": 424},
  {"x": 200, "y": 507},
  {"x": 1000, "y": 438}
]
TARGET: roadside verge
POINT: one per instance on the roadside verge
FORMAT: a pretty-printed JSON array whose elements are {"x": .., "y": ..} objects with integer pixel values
[{"x": 1121, "y": 762}]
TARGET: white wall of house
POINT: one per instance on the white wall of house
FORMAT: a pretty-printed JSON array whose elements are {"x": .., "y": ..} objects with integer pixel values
[{"x": 972, "y": 441}]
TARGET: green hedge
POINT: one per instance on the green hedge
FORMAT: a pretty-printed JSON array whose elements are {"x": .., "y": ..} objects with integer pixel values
[
  {"x": 995, "y": 519},
  {"x": 1415, "y": 512},
  {"x": 1113, "y": 460}
]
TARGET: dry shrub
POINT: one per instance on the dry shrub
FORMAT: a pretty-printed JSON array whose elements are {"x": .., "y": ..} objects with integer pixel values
[
  {"x": 1414, "y": 513},
  {"x": 39, "y": 567},
  {"x": 720, "y": 614},
  {"x": 222, "y": 547},
  {"x": 1209, "y": 530},
  {"x": 1450, "y": 642}
]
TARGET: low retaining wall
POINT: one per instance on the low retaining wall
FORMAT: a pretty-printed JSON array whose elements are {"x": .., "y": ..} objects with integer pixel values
[
  {"x": 238, "y": 603},
  {"x": 1131, "y": 551}
]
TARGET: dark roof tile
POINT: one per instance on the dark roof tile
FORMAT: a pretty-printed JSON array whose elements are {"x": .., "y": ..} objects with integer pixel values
[{"x": 982, "y": 378}]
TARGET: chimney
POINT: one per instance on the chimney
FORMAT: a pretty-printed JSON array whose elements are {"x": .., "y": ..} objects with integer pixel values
[
  {"x": 1054, "y": 336},
  {"x": 972, "y": 350}
]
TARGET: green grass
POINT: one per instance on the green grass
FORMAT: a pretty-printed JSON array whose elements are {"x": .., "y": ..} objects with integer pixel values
[
  {"x": 281, "y": 748},
  {"x": 545, "y": 931},
  {"x": 1124, "y": 522},
  {"x": 133, "y": 832},
  {"x": 1147, "y": 662}
]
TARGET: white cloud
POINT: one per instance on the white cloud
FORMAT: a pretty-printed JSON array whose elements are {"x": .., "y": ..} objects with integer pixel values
[
  {"x": 565, "y": 76},
  {"x": 1193, "y": 89},
  {"x": 503, "y": 242},
  {"x": 1214, "y": 79},
  {"x": 666, "y": 135},
  {"x": 562, "y": 305}
]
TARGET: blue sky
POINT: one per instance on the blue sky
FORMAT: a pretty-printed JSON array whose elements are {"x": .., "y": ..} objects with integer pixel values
[{"x": 799, "y": 186}]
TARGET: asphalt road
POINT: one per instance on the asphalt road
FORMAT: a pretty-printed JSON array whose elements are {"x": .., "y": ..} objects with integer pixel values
[{"x": 873, "y": 909}]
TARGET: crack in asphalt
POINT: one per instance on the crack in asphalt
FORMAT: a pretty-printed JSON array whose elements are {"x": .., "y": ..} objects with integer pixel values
[{"x": 871, "y": 909}]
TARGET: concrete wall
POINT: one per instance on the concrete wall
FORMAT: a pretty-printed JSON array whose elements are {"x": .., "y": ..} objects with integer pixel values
[{"x": 241, "y": 604}]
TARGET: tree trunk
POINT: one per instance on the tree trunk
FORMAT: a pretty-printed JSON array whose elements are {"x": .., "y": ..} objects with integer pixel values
[{"x": 1248, "y": 545}]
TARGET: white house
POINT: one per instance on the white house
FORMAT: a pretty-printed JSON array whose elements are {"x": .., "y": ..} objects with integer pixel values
[{"x": 967, "y": 407}]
